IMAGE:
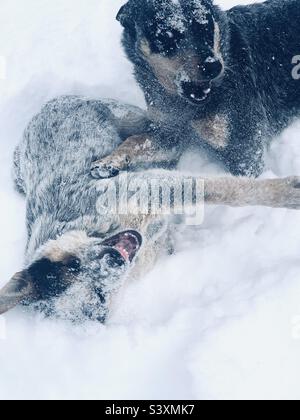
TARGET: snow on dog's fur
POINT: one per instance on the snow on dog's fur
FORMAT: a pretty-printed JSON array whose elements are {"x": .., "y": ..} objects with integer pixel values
[
  {"x": 76, "y": 257},
  {"x": 219, "y": 80}
]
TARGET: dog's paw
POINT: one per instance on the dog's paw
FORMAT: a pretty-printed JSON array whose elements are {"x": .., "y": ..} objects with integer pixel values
[{"x": 101, "y": 170}]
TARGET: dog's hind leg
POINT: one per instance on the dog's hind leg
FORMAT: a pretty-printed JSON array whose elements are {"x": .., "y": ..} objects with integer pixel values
[
  {"x": 230, "y": 191},
  {"x": 241, "y": 192}
]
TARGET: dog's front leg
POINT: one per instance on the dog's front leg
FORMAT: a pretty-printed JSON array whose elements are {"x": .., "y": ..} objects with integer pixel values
[
  {"x": 240, "y": 192},
  {"x": 140, "y": 151}
]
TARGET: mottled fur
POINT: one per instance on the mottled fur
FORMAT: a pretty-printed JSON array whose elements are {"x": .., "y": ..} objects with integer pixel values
[{"x": 63, "y": 273}]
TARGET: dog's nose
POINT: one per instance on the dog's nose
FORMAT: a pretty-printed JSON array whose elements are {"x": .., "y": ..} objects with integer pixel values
[{"x": 211, "y": 69}]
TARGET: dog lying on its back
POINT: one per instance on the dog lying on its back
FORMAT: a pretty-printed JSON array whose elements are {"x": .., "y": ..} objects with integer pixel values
[
  {"x": 76, "y": 256},
  {"x": 217, "y": 80}
]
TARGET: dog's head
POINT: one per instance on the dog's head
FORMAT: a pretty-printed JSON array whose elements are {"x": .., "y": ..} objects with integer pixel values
[
  {"x": 179, "y": 40},
  {"x": 74, "y": 276}
]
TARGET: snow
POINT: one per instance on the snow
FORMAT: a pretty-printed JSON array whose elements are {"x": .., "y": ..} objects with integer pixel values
[
  {"x": 170, "y": 15},
  {"x": 200, "y": 12},
  {"x": 221, "y": 319}
]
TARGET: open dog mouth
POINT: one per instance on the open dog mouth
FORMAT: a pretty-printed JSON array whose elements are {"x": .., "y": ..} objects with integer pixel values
[
  {"x": 196, "y": 92},
  {"x": 127, "y": 244}
]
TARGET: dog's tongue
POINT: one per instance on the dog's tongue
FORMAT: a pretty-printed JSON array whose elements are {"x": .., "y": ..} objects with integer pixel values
[
  {"x": 126, "y": 243},
  {"x": 126, "y": 248}
]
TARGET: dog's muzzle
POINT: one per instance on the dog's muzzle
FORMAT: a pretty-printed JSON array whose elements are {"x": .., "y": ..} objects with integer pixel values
[
  {"x": 195, "y": 92},
  {"x": 198, "y": 91}
]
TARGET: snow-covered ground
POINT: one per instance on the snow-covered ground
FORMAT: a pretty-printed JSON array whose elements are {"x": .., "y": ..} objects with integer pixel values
[{"x": 221, "y": 319}]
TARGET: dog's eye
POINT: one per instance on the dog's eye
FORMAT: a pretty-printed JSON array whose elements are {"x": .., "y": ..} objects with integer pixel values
[
  {"x": 166, "y": 41},
  {"x": 167, "y": 44}
]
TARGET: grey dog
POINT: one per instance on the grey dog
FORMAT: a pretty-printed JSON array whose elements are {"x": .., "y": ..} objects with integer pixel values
[{"x": 78, "y": 257}]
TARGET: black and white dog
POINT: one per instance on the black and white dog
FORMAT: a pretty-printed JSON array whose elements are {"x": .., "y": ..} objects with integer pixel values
[
  {"x": 223, "y": 81},
  {"x": 77, "y": 256}
]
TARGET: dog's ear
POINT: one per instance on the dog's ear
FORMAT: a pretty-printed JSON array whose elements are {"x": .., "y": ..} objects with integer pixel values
[
  {"x": 18, "y": 289},
  {"x": 126, "y": 16}
]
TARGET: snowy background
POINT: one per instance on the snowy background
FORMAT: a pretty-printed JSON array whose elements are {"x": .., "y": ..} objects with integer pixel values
[{"x": 221, "y": 319}]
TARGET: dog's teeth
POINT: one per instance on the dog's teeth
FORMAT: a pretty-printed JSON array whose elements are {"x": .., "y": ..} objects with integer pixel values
[
  {"x": 195, "y": 98},
  {"x": 207, "y": 91},
  {"x": 126, "y": 253}
]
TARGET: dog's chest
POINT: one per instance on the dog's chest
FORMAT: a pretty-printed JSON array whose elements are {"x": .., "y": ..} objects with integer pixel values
[{"x": 214, "y": 130}]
